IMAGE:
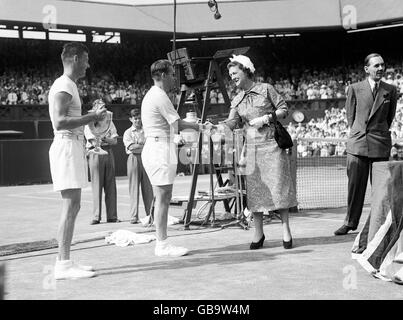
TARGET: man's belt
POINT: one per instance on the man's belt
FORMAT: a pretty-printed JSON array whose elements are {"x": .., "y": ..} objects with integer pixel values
[
  {"x": 69, "y": 136},
  {"x": 106, "y": 146},
  {"x": 159, "y": 138}
]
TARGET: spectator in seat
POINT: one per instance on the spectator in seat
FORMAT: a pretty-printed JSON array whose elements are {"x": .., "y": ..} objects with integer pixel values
[{"x": 12, "y": 97}]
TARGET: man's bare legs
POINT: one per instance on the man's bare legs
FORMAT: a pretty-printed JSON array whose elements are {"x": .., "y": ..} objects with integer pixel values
[
  {"x": 163, "y": 195},
  {"x": 70, "y": 209},
  {"x": 65, "y": 268}
]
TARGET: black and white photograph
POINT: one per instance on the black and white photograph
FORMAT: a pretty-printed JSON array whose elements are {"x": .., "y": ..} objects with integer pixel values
[{"x": 200, "y": 157}]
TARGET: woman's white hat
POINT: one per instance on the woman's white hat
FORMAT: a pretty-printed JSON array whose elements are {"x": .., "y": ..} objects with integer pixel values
[{"x": 244, "y": 60}]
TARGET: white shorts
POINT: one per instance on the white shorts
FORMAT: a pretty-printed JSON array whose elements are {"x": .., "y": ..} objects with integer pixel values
[
  {"x": 160, "y": 161},
  {"x": 68, "y": 163}
]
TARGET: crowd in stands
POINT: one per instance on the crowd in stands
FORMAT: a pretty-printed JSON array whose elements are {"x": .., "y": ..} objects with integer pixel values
[
  {"x": 24, "y": 88},
  {"x": 32, "y": 87},
  {"x": 120, "y": 74},
  {"x": 333, "y": 126},
  {"x": 118, "y": 78},
  {"x": 329, "y": 83}
]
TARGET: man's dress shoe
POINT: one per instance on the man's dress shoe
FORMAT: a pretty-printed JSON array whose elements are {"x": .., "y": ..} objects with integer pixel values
[{"x": 343, "y": 230}]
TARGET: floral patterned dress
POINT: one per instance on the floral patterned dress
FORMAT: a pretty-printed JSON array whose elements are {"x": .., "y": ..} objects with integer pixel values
[{"x": 269, "y": 185}]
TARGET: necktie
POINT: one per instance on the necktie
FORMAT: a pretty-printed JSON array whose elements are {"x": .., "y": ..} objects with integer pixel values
[{"x": 375, "y": 91}]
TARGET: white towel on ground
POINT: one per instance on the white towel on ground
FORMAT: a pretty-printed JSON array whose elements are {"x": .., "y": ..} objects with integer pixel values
[{"x": 124, "y": 238}]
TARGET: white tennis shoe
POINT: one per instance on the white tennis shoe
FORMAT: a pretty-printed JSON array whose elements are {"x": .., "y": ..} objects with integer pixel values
[
  {"x": 66, "y": 269},
  {"x": 169, "y": 250},
  {"x": 80, "y": 266}
]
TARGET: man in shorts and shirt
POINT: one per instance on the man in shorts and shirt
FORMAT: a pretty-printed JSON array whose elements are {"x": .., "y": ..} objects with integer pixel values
[
  {"x": 68, "y": 164},
  {"x": 161, "y": 124}
]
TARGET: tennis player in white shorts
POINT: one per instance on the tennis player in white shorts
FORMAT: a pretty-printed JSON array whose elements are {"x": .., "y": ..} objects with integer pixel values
[
  {"x": 66, "y": 155},
  {"x": 161, "y": 124}
]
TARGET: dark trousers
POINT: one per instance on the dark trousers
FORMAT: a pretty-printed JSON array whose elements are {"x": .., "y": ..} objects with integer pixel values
[
  {"x": 358, "y": 170},
  {"x": 102, "y": 173},
  {"x": 138, "y": 177}
]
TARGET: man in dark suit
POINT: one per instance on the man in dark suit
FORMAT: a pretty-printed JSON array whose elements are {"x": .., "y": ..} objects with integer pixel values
[{"x": 371, "y": 107}]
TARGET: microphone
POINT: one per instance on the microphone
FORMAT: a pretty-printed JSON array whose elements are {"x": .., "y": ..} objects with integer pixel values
[
  {"x": 214, "y": 7},
  {"x": 211, "y": 3}
]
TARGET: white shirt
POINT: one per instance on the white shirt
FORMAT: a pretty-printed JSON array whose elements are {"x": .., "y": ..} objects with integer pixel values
[
  {"x": 112, "y": 133},
  {"x": 372, "y": 84},
  {"x": 65, "y": 84},
  {"x": 120, "y": 93},
  {"x": 24, "y": 96},
  {"x": 310, "y": 94},
  {"x": 12, "y": 98},
  {"x": 157, "y": 113},
  {"x": 133, "y": 136}
]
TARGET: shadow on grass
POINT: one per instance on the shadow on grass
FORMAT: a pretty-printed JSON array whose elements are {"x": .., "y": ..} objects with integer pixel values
[
  {"x": 229, "y": 255},
  {"x": 237, "y": 256}
]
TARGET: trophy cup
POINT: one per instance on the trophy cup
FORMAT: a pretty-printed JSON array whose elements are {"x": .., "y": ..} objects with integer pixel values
[{"x": 100, "y": 128}]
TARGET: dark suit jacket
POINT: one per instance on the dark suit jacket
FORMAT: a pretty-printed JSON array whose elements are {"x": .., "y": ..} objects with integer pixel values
[{"x": 370, "y": 120}]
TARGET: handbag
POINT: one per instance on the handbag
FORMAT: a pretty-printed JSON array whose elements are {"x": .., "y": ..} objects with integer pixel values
[{"x": 281, "y": 134}]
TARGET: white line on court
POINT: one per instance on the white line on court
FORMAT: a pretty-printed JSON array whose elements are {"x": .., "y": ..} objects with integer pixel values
[
  {"x": 49, "y": 191},
  {"x": 41, "y": 198},
  {"x": 317, "y": 219},
  {"x": 48, "y": 198}
]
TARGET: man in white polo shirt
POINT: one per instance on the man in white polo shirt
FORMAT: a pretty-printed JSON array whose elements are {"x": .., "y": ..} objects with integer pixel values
[
  {"x": 161, "y": 124},
  {"x": 68, "y": 164}
]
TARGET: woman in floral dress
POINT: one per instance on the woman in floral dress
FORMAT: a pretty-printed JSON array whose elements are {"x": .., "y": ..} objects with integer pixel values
[{"x": 269, "y": 185}]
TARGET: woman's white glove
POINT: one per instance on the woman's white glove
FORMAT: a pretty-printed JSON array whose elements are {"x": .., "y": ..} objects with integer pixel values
[
  {"x": 178, "y": 139},
  {"x": 208, "y": 126},
  {"x": 260, "y": 121},
  {"x": 220, "y": 127},
  {"x": 242, "y": 161}
]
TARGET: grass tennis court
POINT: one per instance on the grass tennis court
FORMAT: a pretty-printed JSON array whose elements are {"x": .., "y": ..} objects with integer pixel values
[{"x": 318, "y": 187}]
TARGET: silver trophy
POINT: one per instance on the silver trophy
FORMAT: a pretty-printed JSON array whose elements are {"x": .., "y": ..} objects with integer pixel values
[{"x": 100, "y": 128}]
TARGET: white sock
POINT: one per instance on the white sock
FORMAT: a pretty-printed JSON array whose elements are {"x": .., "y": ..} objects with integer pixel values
[
  {"x": 63, "y": 263},
  {"x": 58, "y": 259},
  {"x": 161, "y": 243}
]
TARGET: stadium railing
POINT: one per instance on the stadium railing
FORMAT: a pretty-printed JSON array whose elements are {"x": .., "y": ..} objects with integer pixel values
[{"x": 310, "y": 108}]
